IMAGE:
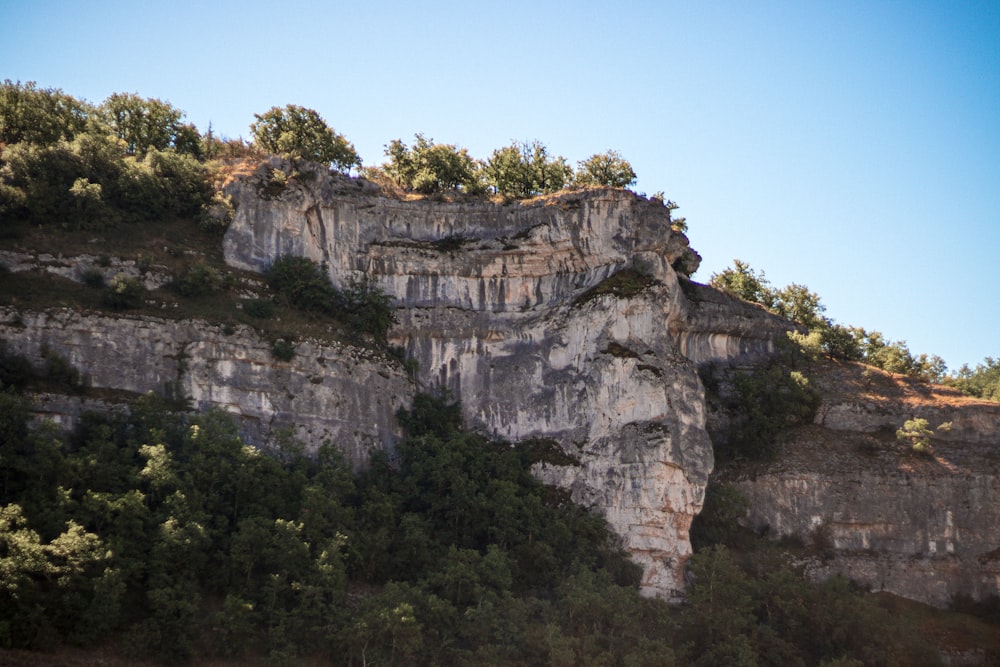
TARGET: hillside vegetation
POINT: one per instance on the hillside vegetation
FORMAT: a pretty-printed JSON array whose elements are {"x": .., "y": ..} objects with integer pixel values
[
  {"x": 154, "y": 534},
  {"x": 159, "y": 534}
]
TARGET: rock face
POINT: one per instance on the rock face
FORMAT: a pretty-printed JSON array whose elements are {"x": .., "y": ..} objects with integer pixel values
[
  {"x": 562, "y": 319},
  {"x": 327, "y": 392},
  {"x": 924, "y": 527},
  {"x": 495, "y": 305}
]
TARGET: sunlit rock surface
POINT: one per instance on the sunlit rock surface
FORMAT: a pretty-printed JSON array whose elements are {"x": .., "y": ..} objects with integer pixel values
[{"x": 495, "y": 305}]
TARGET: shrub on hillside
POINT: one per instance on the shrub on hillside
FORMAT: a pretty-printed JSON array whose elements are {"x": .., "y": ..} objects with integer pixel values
[
  {"x": 302, "y": 283},
  {"x": 124, "y": 293}
]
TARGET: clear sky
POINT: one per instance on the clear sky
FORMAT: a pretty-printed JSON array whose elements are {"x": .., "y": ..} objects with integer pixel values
[{"x": 853, "y": 147}]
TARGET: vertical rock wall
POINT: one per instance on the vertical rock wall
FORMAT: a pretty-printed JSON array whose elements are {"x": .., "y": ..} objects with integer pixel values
[
  {"x": 494, "y": 305},
  {"x": 327, "y": 392}
]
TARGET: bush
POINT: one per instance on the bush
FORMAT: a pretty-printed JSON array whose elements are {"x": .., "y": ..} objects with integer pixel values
[
  {"x": 299, "y": 132},
  {"x": 15, "y": 369},
  {"x": 261, "y": 309},
  {"x": 623, "y": 284},
  {"x": 428, "y": 167},
  {"x": 217, "y": 213},
  {"x": 526, "y": 169},
  {"x": 303, "y": 284},
  {"x": 93, "y": 277},
  {"x": 124, "y": 293},
  {"x": 767, "y": 401},
  {"x": 283, "y": 350},
  {"x": 199, "y": 280},
  {"x": 60, "y": 371},
  {"x": 369, "y": 309}
]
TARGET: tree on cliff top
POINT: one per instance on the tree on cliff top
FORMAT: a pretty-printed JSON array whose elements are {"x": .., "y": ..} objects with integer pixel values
[
  {"x": 302, "y": 133},
  {"x": 429, "y": 167},
  {"x": 609, "y": 169},
  {"x": 526, "y": 169}
]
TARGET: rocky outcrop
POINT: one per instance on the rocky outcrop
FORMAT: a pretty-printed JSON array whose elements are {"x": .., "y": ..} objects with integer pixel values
[
  {"x": 558, "y": 318},
  {"x": 564, "y": 319},
  {"x": 926, "y": 527},
  {"x": 329, "y": 392}
]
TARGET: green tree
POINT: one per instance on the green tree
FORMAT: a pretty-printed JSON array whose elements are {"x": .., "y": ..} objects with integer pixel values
[
  {"x": 982, "y": 382},
  {"x": 39, "y": 116},
  {"x": 768, "y": 401},
  {"x": 368, "y": 309},
  {"x": 146, "y": 124},
  {"x": 918, "y": 434},
  {"x": 299, "y": 132},
  {"x": 526, "y": 169},
  {"x": 721, "y": 618},
  {"x": 430, "y": 167},
  {"x": 303, "y": 283},
  {"x": 798, "y": 304},
  {"x": 744, "y": 282},
  {"x": 609, "y": 169}
]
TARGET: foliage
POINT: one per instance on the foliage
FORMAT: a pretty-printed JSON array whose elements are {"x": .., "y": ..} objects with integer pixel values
[
  {"x": 429, "y": 167},
  {"x": 608, "y": 169},
  {"x": 917, "y": 433},
  {"x": 90, "y": 182},
  {"x": 623, "y": 284},
  {"x": 981, "y": 382},
  {"x": 58, "y": 370},
  {"x": 148, "y": 124},
  {"x": 302, "y": 133},
  {"x": 168, "y": 530},
  {"x": 719, "y": 519},
  {"x": 261, "y": 309},
  {"x": 362, "y": 306},
  {"x": 37, "y": 116},
  {"x": 746, "y": 283},
  {"x": 756, "y": 608},
  {"x": 765, "y": 402},
  {"x": 797, "y": 304},
  {"x": 199, "y": 280},
  {"x": 368, "y": 310},
  {"x": 124, "y": 293},
  {"x": 283, "y": 349},
  {"x": 526, "y": 169},
  {"x": 15, "y": 369},
  {"x": 217, "y": 213},
  {"x": 304, "y": 284}
]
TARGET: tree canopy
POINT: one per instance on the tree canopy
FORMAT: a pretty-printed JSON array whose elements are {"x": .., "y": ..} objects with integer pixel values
[
  {"x": 39, "y": 116},
  {"x": 608, "y": 169},
  {"x": 526, "y": 169},
  {"x": 797, "y": 304},
  {"x": 299, "y": 132},
  {"x": 146, "y": 124},
  {"x": 429, "y": 167}
]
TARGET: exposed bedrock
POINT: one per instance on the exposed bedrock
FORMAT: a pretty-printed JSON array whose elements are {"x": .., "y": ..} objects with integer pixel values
[{"x": 495, "y": 305}]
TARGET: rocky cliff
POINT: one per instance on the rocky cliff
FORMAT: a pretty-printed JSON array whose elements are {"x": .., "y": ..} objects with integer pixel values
[
  {"x": 343, "y": 394},
  {"x": 562, "y": 318},
  {"x": 924, "y": 526},
  {"x": 569, "y": 319}
]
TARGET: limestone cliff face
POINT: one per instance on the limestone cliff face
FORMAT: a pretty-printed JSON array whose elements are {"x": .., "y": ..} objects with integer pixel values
[
  {"x": 924, "y": 527},
  {"x": 561, "y": 318},
  {"x": 327, "y": 392},
  {"x": 494, "y": 305}
]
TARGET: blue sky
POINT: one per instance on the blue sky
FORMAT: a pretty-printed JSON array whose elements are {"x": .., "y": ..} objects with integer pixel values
[{"x": 853, "y": 147}]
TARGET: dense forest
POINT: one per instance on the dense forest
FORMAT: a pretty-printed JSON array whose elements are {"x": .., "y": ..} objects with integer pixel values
[
  {"x": 155, "y": 533},
  {"x": 163, "y": 535}
]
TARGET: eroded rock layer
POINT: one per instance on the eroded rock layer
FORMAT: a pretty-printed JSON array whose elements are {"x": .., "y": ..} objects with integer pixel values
[
  {"x": 922, "y": 525},
  {"x": 338, "y": 393},
  {"x": 549, "y": 319}
]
